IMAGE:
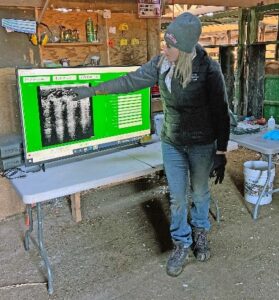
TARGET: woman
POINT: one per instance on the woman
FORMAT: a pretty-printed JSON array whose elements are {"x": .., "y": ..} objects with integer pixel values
[{"x": 195, "y": 132}]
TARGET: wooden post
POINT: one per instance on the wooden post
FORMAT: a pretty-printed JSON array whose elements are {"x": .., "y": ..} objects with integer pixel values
[
  {"x": 213, "y": 40},
  {"x": 107, "y": 42},
  {"x": 262, "y": 32},
  {"x": 229, "y": 37},
  {"x": 153, "y": 37},
  {"x": 227, "y": 66},
  {"x": 252, "y": 26},
  {"x": 75, "y": 205},
  {"x": 256, "y": 67},
  {"x": 240, "y": 77},
  {"x": 276, "y": 56}
]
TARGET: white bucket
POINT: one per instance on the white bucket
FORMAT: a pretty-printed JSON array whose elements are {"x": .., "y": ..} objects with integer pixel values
[{"x": 255, "y": 177}]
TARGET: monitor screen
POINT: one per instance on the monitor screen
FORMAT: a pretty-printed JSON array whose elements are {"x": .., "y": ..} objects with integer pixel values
[{"x": 55, "y": 126}]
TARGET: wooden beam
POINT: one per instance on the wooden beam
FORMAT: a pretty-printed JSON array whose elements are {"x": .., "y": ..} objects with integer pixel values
[
  {"x": 218, "y": 28},
  {"x": 206, "y": 9},
  {"x": 43, "y": 11},
  {"x": 128, "y": 5},
  {"x": 21, "y": 3},
  {"x": 113, "y": 5},
  {"x": 276, "y": 56},
  {"x": 178, "y": 8},
  {"x": 229, "y": 3}
]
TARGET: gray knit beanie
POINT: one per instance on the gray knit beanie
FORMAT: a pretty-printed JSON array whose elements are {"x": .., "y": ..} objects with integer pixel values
[{"x": 183, "y": 33}]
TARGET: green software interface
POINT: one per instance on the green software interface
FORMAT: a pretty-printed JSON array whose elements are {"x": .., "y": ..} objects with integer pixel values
[{"x": 55, "y": 126}]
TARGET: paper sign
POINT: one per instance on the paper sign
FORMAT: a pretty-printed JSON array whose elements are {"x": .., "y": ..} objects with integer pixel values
[
  {"x": 112, "y": 30},
  {"x": 123, "y": 42},
  {"x": 134, "y": 42},
  {"x": 149, "y": 8}
]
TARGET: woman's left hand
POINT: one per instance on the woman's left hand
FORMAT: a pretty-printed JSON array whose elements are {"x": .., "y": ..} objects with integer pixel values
[{"x": 218, "y": 168}]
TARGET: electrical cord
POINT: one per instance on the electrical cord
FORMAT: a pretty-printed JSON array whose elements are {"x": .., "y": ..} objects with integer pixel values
[
  {"x": 12, "y": 173},
  {"x": 15, "y": 173}
]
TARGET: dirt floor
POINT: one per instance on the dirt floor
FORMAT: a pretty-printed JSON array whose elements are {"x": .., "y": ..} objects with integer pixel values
[{"x": 120, "y": 248}]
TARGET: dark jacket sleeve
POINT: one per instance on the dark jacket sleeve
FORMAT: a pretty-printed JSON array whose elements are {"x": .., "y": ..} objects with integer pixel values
[
  {"x": 145, "y": 76},
  {"x": 219, "y": 105}
]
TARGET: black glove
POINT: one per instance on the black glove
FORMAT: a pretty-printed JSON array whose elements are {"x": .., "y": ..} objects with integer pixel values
[
  {"x": 82, "y": 92},
  {"x": 218, "y": 168}
]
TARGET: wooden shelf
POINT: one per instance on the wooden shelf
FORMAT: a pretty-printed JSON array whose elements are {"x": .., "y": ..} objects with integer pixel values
[
  {"x": 265, "y": 43},
  {"x": 235, "y": 45},
  {"x": 74, "y": 44},
  {"x": 219, "y": 45}
]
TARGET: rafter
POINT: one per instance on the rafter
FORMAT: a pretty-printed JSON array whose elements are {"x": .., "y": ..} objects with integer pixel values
[
  {"x": 128, "y": 5},
  {"x": 229, "y": 3}
]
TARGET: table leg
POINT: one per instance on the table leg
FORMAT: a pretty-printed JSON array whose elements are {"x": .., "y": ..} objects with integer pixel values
[
  {"x": 43, "y": 252},
  {"x": 217, "y": 216},
  {"x": 30, "y": 229},
  {"x": 255, "y": 213},
  {"x": 75, "y": 205}
]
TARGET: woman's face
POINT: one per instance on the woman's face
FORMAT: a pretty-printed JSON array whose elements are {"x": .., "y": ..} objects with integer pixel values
[{"x": 170, "y": 53}]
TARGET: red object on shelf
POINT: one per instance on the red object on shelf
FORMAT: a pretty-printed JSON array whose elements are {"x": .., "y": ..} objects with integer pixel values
[
  {"x": 261, "y": 121},
  {"x": 155, "y": 91}
]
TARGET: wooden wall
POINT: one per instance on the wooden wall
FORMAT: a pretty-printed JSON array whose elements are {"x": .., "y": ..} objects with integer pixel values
[
  {"x": 9, "y": 112},
  {"x": 137, "y": 29},
  {"x": 9, "y": 200},
  {"x": 77, "y": 54},
  {"x": 111, "y": 53},
  {"x": 9, "y": 123},
  {"x": 16, "y": 50}
]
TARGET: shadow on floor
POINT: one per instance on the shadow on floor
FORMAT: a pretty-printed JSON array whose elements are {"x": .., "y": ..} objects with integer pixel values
[{"x": 156, "y": 216}]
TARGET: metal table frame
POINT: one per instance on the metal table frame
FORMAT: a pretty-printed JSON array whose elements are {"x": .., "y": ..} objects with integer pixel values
[{"x": 256, "y": 142}]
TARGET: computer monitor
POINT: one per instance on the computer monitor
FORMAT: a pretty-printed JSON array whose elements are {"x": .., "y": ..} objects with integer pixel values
[{"x": 55, "y": 126}]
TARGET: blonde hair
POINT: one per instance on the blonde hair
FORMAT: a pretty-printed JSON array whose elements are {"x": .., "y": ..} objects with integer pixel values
[{"x": 183, "y": 67}]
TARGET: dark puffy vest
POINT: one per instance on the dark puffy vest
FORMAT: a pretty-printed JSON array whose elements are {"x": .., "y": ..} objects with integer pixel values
[{"x": 187, "y": 117}]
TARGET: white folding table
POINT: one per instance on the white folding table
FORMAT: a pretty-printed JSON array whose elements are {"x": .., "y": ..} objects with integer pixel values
[
  {"x": 78, "y": 176},
  {"x": 81, "y": 175}
]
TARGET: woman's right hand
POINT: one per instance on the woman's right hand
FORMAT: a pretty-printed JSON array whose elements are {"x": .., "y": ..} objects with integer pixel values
[{"x": 82, "y": 92}]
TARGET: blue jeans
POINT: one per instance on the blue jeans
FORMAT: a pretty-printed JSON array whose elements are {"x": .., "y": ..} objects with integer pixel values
[{"x": 184, "y": 165}]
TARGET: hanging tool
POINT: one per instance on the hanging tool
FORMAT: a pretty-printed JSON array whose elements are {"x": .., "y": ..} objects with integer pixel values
[{"x": 43, "y": 39}]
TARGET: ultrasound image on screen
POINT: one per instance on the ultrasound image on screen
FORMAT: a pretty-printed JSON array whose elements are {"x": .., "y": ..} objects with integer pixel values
[{"x": 62, "y": 119}]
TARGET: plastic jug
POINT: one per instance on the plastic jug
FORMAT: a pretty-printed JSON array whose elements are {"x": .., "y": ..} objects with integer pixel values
[{"x": 271, "y": 123}]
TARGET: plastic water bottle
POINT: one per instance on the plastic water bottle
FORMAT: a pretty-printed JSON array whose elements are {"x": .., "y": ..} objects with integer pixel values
[{"x": 271, "y": 123}]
